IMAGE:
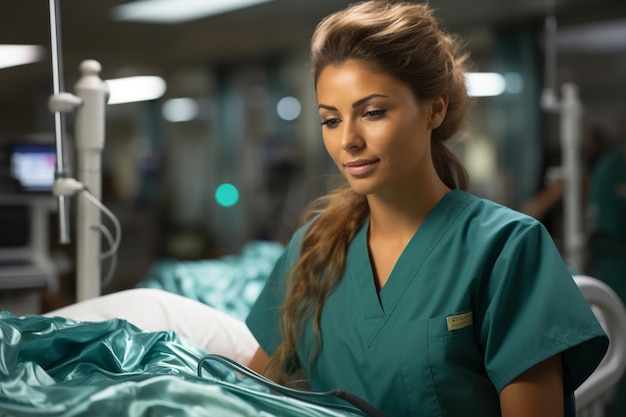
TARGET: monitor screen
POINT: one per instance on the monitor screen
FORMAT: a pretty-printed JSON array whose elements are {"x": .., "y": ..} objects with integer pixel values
[{"x": 33, "y": 167}]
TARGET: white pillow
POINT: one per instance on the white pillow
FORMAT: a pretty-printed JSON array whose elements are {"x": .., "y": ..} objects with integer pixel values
[{"x": 156, "y": 310}]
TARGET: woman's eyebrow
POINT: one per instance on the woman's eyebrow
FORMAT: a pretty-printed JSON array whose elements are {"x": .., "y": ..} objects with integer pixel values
[
  {"x": 354, "y": 105},
  {"x": 364, "y": 99}
]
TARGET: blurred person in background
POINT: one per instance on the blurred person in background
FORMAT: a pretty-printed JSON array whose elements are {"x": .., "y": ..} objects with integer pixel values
[{"x": 608, "y": 241}]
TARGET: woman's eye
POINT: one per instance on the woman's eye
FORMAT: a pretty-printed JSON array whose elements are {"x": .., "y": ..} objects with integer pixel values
[
  {"x": 375, "y": 114},
  {"x": 331, "y": 122}
]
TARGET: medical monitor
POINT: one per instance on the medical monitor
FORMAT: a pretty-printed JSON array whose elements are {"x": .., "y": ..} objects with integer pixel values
[{"x": 33, "y": 167}]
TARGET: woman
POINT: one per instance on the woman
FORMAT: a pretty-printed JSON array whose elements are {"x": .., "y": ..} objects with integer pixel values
[{"x": 401, "y": 287}]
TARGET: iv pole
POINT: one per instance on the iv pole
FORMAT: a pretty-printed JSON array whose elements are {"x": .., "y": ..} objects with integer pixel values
[
  {"x": 570, "y": 112},
  {"x": 59, "y": 121},
  {"x": 89, "y": 104}
]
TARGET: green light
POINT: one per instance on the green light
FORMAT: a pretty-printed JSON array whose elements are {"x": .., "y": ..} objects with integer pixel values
[{"x": 226, "y": 195}]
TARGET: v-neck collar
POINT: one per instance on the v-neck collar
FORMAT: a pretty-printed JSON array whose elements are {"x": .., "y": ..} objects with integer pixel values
[{"x": 377, "y": 306}]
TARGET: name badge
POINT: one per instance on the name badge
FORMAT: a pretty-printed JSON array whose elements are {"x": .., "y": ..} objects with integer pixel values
[{"x": 460, "y": 321}]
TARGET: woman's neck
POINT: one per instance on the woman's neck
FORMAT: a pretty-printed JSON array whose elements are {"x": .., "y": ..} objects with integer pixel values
[
  {"x": 393, "y": 222},
  {"x": 396, "y": 217}
]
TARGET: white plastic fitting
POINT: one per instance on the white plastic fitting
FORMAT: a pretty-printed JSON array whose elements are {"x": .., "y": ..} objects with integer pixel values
[
  {"x": 63, "y": 102},
  {"x": 66, "y": 187}
]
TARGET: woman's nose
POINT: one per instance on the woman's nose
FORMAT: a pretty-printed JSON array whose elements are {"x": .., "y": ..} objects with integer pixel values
[{"x": 352, "y": 139}]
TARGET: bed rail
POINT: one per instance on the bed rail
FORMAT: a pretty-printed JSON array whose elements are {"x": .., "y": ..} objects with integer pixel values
[{"x": 593, "y": 394}]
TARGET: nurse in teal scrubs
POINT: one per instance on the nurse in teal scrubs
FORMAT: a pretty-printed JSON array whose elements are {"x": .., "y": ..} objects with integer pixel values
[
  {"x": 608, "y": 246},
  {"x": 401, "y": 287}
]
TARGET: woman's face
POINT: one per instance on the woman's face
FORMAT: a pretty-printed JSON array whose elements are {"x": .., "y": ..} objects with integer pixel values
[{"x": 374, "y": 129}]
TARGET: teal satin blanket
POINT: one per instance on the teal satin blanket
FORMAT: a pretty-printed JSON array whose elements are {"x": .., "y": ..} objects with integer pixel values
[
  {"x": 59, "y": 367},
  {"x": 230, "y": 284}
]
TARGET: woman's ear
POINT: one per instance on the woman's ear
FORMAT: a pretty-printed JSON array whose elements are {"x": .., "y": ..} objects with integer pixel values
[{"x": 438, "y": 108}]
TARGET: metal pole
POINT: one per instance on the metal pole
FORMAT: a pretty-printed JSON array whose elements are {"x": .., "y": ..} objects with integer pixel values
[
  {"x": 59, "y": 119},
  {"x": 571, "y": 140},
  {"x": 549, "y": 99}
]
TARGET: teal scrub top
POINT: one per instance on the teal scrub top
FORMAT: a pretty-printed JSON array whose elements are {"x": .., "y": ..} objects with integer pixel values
[
  {"x": 479, "y": 295},
  {"x": 608, "y": 202},
  {"x": 608, "y": 195}
]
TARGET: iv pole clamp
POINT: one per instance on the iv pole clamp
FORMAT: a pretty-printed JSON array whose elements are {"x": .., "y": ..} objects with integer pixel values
[{"x": 89, "y": 104}]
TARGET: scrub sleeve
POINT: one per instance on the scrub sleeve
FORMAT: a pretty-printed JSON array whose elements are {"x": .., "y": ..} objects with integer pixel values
[{"x": 535, "y": 313}]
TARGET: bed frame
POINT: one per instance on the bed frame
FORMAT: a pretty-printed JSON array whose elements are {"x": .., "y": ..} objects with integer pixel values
[{"x": 596, "y": 392}]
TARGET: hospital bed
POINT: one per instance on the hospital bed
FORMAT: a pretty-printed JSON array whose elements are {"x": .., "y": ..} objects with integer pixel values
[{"x": 110, "y": 357}]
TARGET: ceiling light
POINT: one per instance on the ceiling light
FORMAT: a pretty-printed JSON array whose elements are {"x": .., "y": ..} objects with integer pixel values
[
  {"x": 177, "y": 11},
  {"x": 608, "y": 36},
  {"x": 288, "y": 108},
  {"x": 180, "y": 109},
  {"x": 484, "y": 84},
  {"x": 14, "y": 55},
  {"x": 514, "y": 82},
  {"x": 131, "y": 89}
]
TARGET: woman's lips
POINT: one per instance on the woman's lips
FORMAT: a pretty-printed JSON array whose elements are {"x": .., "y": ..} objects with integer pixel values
[{"x": 360, "y": 167}]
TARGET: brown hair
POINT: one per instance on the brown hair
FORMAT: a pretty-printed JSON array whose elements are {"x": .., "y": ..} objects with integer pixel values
[{"x": 402, "y": 40}]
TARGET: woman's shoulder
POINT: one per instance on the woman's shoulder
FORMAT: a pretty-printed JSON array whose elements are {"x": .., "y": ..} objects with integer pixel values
[
  {"x": 292, "y": 249},
  {"x": 298, "y": 235},
  {"x": 485, "y": 207},
  {"x": 488, "y": 216}
]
